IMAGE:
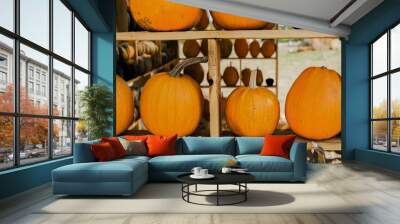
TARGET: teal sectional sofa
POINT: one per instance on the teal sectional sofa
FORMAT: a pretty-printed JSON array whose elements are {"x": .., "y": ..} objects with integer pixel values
[{"x": 125, "y": 176}]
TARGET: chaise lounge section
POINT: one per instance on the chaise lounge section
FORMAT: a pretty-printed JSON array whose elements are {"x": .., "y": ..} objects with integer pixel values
[{"x": 125, "y": 176}]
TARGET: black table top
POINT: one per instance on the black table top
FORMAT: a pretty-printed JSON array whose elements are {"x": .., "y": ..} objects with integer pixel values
[{"x": 220, "y": 178}]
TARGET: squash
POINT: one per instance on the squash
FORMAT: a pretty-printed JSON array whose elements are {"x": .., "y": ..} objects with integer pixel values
[
  {"x": 230, "y": 76},
  {"x": 252, "y": 111},
  {"x": 246, "y": 73},
  {"x": 204, "y": 47},
  {"x": 191, "y": 48},
  {"x": 233, "y": 22},
  {"x": 241, "y": 48},
  {"x": 171, "y": 103},
  {"x": 195, "y": 71},
  {"x": 313, "y": 104},
  {"x": 127, "y": 51},
  {"x": 268, "y": 48},
  {"x": 163, "y": 15},
  {"x": 124, "y": 105},
  {"x": 269, "y": 26},
  {"x": 203, "y": 23},
  {"x": 254, "y": 48},
  {"x": 226, "y": 47}
]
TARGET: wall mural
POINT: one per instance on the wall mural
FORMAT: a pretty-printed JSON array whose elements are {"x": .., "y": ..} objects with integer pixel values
[{"x": 285, "y": 86}]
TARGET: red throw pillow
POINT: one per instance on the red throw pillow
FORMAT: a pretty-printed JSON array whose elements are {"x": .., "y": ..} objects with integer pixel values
[
  {"x": 277, "y": 145},
  {"x": 103, "y": 152},
  {"x": 116, "y": 145},
  {"x": 161, "y": 146},
  {"x": 135, "y": 137}
]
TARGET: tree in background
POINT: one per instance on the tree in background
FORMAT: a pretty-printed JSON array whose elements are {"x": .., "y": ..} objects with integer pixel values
[
  {"x": 380, "y": 127},
  {"x": 33, "y": 131}
]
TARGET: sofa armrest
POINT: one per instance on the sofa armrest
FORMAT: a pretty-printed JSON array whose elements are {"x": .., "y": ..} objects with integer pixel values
[
  {"x": 298, "y": 155},
  {"x": 83, "y": 152}
]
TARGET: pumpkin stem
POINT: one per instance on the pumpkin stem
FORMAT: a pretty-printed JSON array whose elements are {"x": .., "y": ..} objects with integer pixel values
[
  {"x": 184, "y": 63},
  {"x": 253, "y": 79}
]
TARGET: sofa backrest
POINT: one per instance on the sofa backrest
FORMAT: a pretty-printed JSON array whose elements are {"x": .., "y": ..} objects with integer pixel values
[
  {"x": 206, "y": 145},
  {"x": 83, "y": 152},
  {"x": 249, "y": 145}
]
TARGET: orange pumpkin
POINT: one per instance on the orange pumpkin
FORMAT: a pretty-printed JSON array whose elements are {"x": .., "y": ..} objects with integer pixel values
[
  {"x": 163, "y": 15},
  {"x": 233, "y": 22},
  {"x": 313, "y": 104},
  {"x": 171, "y": 103},
  {"x": 203, "y": 23},
  {"x": 124, "y": 105},
  {"x": 252, "y": 111},
  {"x": 268, "y": 48}
]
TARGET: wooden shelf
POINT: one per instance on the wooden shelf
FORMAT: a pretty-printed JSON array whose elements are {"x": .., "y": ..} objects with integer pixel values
[
  {"x": 221, "y": 34},
  {"x": 233, "y": 87},
  {"x": 243, "y": 59}
]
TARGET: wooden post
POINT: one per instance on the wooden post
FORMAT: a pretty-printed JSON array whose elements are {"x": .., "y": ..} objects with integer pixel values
[{"x": 215, "y": 89}]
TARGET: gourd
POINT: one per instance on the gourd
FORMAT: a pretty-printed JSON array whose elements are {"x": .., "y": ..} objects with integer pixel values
[
  {"x": 124, "y": 105},
  {"x": 203, "y": 23},
  {"x": 204, "y": 47},
  {"x": 230, "y": 76},
  {"x": 241, "y": 48},
  {"x": 254, "y": 48},
  {"x": 313, "y": 104},
  {"x": 246, "y": 73},
  {"x": 226, "y": 47},
  {"x": 233, "y": 22},
  {"x": 171, "y": 103},
  {"x": 195, "y": 71},
  {"x": 163, "y": 15},
  {"x": 191, "y": 48},
  {"x": 252, "y": 111},
  {"x": 268, "y": 48}
]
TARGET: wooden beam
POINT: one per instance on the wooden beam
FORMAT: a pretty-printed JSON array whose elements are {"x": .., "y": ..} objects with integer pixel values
[
  {"x": 215, "y": 88},
  {"x": 222, "y": 34}
]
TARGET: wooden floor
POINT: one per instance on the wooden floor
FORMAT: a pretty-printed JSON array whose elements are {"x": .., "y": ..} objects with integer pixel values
[{"x": 379, "y": 189}]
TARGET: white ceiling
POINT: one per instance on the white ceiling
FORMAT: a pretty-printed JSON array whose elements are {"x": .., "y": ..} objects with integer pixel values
[{"x": 327, "y": 16}]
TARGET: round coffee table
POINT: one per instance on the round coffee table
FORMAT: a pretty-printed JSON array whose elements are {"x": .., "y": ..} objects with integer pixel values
[{"x": 238, "y": 179}]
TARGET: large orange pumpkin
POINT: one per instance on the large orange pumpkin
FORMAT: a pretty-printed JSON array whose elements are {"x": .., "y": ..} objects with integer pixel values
[
  {"x": 124, "y": 105},
  {"x": 171, "y": 103},
  {"x": 163, "y": 15},
  {"x": 252, "y": 111},
  {"x": 313, "y": 104},
  {"x": 233, "y": 22}
]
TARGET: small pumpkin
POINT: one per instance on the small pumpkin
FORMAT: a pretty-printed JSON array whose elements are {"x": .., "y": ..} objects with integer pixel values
[
  {"x": 124, "y": 105},
  {"x": 254, "y": 48},
  {"x": 233, "y": 22},
  {"x": 163, "y": 15},
  {"x": 241, "y": 48},
  {"x": 246, "y": 74},
  {"x": 203, "y": 23},
  {"x": 195, "y": 71},
  {"x": 252, "y": 111},
  {"x": 171, "y": 103},
  {"x": 127, "y": 51},
  {"x": 226, "y": 47},
  {"x": 313, "y": 104},
  {"x": 191, "y": 48},
  {"x": 204, "y": 47},
  {"x": 268, "y": 48},
  {"x": 230, "y": 76}
]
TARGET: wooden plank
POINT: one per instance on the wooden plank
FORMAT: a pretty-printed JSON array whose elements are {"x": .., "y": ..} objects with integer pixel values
[
  {"x": 122, "y": 16},
  {"x": 215, "y": 88},
  {"x": 222, "y": 34}
]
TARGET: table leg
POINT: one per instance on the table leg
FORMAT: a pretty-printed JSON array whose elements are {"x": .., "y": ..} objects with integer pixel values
[{"x": 195, "y": 188}]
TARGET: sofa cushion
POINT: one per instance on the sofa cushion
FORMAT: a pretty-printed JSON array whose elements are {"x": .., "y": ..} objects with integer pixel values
[
  {"x": 83, "y": 153},
  {"x": 185, "y": 163},
  {"x": 112, "y": 171},
  {"x": 103, "y": 152},
  {"x": 277, "y": 145},
  {"x": 249, "y": 145},
  {"x": 206, "y": 145},
  {"x": 257, "y": 163}
]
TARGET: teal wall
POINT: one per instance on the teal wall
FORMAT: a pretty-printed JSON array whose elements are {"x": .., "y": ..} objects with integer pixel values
[
  {"x": 99, "y": 15},
  {"x": 356, "y": 100}
]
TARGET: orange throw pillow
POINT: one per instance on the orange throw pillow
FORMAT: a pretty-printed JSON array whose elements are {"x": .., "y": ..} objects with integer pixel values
[
  {"x": 103, "y": 152},
  {"x": 161, "y": 146},
  {"x": 116, "y": 145},
  {"x": 277, "y": 145},
  {"x": 135, "y": 137}
]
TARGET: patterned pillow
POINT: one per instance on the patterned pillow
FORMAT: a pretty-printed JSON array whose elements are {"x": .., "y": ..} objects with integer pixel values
[{"x": 135, "y": 147}]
